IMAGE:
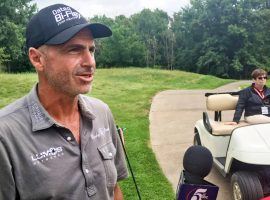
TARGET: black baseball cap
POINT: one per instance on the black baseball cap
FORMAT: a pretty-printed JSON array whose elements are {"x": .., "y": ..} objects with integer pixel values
[{"x": 58, "y": 23}]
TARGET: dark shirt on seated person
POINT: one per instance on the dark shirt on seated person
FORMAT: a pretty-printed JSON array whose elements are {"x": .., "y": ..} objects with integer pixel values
[{"x": 251, "y": 102}]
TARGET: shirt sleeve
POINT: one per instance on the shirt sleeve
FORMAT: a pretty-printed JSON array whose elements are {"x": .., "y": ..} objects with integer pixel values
[
  {"x": 120, "y": 162},
  {"x": 240, "y": 106},
  {"x": 7, "y": 183}
]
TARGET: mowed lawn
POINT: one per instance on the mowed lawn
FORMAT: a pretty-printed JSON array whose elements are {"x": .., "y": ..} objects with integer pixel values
[{"x": 128, "y": 92}]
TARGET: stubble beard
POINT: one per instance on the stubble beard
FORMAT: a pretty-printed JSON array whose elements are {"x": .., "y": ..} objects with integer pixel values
[{"x": 63, "y": 83}]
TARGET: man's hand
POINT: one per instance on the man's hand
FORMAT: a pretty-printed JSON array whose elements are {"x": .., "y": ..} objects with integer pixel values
[{"x": 118, "y": 195}]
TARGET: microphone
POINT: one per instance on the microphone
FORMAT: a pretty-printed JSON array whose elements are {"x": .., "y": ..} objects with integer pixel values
[{"x": 197, "y": 163}]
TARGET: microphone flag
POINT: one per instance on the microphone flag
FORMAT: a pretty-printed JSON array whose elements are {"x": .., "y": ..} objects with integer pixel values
[{"x": 189, "y": 191}]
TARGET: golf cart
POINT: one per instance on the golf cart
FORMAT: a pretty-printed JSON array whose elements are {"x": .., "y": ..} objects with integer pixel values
[{"x": 240, "y": 151}]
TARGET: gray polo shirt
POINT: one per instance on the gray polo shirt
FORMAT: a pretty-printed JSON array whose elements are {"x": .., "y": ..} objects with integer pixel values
[{"x": 40, "y": 159}]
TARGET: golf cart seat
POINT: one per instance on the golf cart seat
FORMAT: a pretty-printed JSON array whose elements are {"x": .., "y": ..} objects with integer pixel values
[{"x": 219, "y": 102}]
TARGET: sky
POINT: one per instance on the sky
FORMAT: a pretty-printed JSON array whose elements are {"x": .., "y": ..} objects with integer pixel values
[{"x": 112, "y": 8}]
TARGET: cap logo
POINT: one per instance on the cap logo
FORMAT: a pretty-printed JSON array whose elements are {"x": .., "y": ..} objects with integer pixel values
[
  {"x": 64, "y": 14},
  {"x": 58, "y": 23}
]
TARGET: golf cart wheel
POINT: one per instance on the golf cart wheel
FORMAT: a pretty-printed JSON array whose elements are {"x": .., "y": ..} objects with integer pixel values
[
  {"x": 246, "y": 186},
  {"x": 196, "y": 139}
]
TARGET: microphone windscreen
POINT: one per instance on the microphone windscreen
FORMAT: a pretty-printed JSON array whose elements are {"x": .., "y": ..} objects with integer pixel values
[{"x": 198, "y": 160}]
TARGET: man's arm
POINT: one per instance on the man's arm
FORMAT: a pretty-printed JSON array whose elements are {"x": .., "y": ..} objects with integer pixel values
[{"x": 118, "y": 195}]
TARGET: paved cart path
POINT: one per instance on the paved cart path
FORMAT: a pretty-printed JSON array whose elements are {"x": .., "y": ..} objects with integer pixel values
[{"x": 172, "y": 116}]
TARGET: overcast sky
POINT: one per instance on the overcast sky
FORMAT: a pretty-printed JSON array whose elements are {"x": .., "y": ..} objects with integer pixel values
[{"x": 112, "y": 8}]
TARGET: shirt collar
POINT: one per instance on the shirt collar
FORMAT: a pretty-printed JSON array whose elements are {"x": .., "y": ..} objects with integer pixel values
[
  {"x": 85, "y": 108},
  {"x": 40, "y": 117}
]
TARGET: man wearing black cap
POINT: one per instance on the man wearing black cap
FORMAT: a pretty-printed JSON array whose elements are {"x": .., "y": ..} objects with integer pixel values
[{"x": 56, "y": 143}]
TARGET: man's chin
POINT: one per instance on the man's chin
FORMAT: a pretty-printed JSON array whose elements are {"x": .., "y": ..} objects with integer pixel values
[{"x": 86, "y": 90}]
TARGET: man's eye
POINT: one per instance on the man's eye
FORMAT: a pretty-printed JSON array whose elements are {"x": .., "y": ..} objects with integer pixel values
[
  {"x": 92, "y": 50},
  {"x": 74, "y": 50}
]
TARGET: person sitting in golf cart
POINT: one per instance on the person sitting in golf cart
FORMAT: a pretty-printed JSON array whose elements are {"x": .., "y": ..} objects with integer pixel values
[{"x": 254, "y": 100}]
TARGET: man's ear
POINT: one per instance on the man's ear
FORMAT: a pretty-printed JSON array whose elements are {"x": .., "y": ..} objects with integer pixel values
[{"x": 36, "y": 58}]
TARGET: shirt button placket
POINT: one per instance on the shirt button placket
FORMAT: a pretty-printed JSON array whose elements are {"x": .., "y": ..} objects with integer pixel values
[{"x": 91, "y": 189}]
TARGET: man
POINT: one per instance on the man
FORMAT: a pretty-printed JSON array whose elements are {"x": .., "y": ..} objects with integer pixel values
[{"x": 56, "y": 143}]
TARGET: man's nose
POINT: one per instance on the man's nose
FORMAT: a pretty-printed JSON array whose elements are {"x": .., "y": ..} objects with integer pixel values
[{"x": 88, "y": 58}]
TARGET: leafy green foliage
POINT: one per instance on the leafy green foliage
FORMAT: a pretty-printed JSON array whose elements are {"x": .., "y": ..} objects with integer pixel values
[
  {"x": 14, "y": 16},
  {"x": 3, "y": 57},
  {"x": 152, "y": 27},
  {"x": 139, "y": 40},
  {"x": 222, "y": 38},
  {"x": 123, "y": 48}
]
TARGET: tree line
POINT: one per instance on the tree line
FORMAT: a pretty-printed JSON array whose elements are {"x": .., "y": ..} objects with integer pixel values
[{"x": 225, "y": 38}]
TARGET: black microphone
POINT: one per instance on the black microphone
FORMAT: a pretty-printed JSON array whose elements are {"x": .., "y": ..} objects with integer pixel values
[{"x": 197, "y": 163}]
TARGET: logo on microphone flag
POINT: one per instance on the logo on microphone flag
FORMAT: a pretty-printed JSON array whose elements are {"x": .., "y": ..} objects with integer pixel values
[
  {"x": 197, "y": 192},
  {"x": 200, "y": 194}
]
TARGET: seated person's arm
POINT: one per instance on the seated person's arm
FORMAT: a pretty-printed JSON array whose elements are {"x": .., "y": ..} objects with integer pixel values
[
  {"x": 240, "y": 106},
  {"x": 230, "y": 123}
]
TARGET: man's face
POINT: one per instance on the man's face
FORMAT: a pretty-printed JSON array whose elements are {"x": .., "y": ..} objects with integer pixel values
[{"x": 69, "y": 67}]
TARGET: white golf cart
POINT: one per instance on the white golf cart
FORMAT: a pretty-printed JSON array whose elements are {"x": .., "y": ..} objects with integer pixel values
[{"x": 240, "y": 151}]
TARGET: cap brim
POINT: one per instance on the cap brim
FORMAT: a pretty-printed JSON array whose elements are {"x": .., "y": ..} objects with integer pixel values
[{"x": 97, "y": 30}]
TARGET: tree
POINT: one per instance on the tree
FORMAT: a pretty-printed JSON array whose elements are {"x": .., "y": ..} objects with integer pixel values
[
  {"x": 222, "y": 38},
  {"x": 153, "y": 27},
  {"x": 124, "y": 48},
  {"x": 14, "y": 16},
  {"x": 3, "y": 57}
]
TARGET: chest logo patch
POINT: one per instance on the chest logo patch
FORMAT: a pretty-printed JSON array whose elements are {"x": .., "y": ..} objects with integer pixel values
[
  {"x": 49, "y": 154},
  {"x": 101, "y": 132}
]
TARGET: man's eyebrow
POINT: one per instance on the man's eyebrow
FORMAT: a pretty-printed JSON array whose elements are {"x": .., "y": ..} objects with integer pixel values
[
  {"x": 74, "y": 46},
  {"x": 79, "y": 46}
]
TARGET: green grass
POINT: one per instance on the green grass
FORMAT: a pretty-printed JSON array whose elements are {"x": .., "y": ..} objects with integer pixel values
[{"x": 128, "y": 92}]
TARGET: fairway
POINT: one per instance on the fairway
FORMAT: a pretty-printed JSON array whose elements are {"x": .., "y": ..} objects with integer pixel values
[{"x": 128, "y": 92}]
